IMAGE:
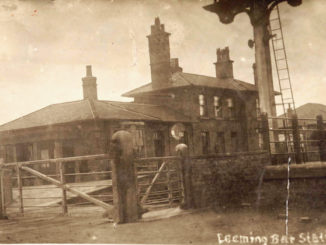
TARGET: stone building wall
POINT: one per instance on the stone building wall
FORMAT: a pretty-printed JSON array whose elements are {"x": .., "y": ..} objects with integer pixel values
[{"x": 244, "y": 124}]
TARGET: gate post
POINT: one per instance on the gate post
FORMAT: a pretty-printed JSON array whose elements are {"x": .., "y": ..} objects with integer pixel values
[
  {"x": 265, "y": 132},
  {"x": 296, "y": 139},
  {"x": 322, "y": 140},
  {"x": 124, "y": 185},
  {"x": 2, "y": 199},
  {"x": 186, "y": 172}
]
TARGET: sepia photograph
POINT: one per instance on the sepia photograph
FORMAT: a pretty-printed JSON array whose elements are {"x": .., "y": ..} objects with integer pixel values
[{"x": 163, "y": 122}]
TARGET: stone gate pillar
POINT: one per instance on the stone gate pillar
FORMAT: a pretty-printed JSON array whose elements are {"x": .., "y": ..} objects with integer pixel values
[
  {"x": 186, "y": 171},
  {"x": 124, "y": 185}
]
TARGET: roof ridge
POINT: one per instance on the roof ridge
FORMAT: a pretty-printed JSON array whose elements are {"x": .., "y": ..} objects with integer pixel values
[
  {"x": 136, "y": 88},
  {"x": 190, "y": 83},
  {"x": 234, "y": 79},
  {"x": 92, "y": 107},
  {"x": 132, "y": 111},
  {"x": 126, "y": 102}
]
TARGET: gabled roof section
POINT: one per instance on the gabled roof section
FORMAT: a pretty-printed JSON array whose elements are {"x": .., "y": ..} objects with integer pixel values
[
  {"x": 310, "y": 110},
  {"x": 83, "y": 110},
  {"x": 181, "y": 79}
]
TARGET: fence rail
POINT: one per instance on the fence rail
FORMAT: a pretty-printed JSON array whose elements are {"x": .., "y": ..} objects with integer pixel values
[
  {"x": 38, "y": 190},
  {"x": 302, "y": 139}
]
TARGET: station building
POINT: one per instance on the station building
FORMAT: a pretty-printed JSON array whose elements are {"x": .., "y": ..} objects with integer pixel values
[{"x": 217, "y": 114}]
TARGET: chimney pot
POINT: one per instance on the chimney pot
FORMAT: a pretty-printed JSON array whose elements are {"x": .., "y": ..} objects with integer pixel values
[
  {"x": 223, "y": 65},
  {"x": 159, "y": 55},
  {"x": 89, "y": 85},
  {"x": 89, "y": 71}
]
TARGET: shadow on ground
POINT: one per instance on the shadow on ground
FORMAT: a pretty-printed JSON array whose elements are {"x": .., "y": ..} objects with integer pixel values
[{"x": 196, "y": 227}]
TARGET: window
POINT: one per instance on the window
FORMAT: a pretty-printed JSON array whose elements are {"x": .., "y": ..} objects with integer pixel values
[
  {"x": 234, "y": 142},
  {"x": 138, "y": 142},
  {"x": 202, "y": 105},
  {"x": 45, "y": 155},
  {"x": 205, "y": 142},
  {"x": 217, "y": 107},
  {"x": 230, "y": 105},
  {"x": 220, "y": 143},
  {"x": 9, "y": 153}
]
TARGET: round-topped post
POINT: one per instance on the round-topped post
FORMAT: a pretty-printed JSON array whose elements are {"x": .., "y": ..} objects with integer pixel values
[
  {"x": 186, "y": 171},
  {"x": 124, "y": 178}
]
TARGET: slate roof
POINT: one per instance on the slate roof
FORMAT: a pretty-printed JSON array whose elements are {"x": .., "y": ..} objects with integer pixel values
[
  {"x": 94, "y": 109},
  {"x": 310, "y": 110},
  {"x": 181, "y": 79}
]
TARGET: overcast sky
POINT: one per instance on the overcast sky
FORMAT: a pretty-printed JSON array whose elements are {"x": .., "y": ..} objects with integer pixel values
[{"x": 45, "y": 46}]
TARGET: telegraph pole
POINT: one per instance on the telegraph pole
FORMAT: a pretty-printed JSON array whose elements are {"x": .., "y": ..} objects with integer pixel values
[{"x": 258, "y": 12}]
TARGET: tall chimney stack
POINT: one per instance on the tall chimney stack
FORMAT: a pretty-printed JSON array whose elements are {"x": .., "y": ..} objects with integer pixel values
[
  {"x": 159, "y": 55},
  {"x": 223, "y": 65},
  {"x": 89, "y": 85}
]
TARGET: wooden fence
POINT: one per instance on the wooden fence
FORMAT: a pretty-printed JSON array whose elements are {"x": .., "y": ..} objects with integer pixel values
[
  {"x": 301, "y": 139},
  {"x": 37, "y": 192}
]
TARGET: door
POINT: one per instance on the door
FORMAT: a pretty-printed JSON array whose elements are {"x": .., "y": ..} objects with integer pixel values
[{"x": 159, "y": 146}]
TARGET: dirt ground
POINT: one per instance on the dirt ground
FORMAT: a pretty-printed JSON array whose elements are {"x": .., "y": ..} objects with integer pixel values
[{"x": 199, "y": 227}]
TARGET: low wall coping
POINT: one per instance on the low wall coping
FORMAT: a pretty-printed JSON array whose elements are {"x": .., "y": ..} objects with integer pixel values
[
  {"x": 305, "y": 170},
  {"x": 228, "y": 155}
]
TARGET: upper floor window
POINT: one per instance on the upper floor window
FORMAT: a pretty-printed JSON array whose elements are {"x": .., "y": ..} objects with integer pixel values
[
  {"x": 230, "y": 105},
  {"x": 217, "y": 107},
  {"x": 202, "y": 105}
]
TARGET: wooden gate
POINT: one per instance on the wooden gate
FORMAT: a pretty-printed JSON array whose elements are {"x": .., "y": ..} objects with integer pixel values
[
  {"x": 28, "y": 188},
  {"x": 159, "y": 182},
  {"x": 35, "y": 191}
]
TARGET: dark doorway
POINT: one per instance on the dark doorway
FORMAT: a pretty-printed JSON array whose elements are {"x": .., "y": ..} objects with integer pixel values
[
  {"x": 24, "y": 152},
  {"x": 159, "y": 146},
  {"x": 220, "y": 143},
  {"x": 234, "y": 142},
  {"x": 205, "y": 142}
]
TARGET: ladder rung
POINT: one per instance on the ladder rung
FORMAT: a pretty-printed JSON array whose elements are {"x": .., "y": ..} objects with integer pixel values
[
  {"x": 287, "y": 98},
  {"x": 282, "y": 69},
  {"x": 285, "y": 78},
  {"x": 279, "y": 49},
  {"x": 276, "y": 39},
  {"x": 280, "y": 59},
  {"x": 285, "y": 88},
  {"x": 276, "y": 29},
  {"x": 287, "y": 103},
  {"x": 274, "y": 19}
]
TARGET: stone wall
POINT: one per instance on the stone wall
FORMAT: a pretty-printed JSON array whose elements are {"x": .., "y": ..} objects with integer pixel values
[
  {"x": 231, "y": 180},
  {"x": 307, "y": 186},
  {"x": 226, "y": 180}
]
